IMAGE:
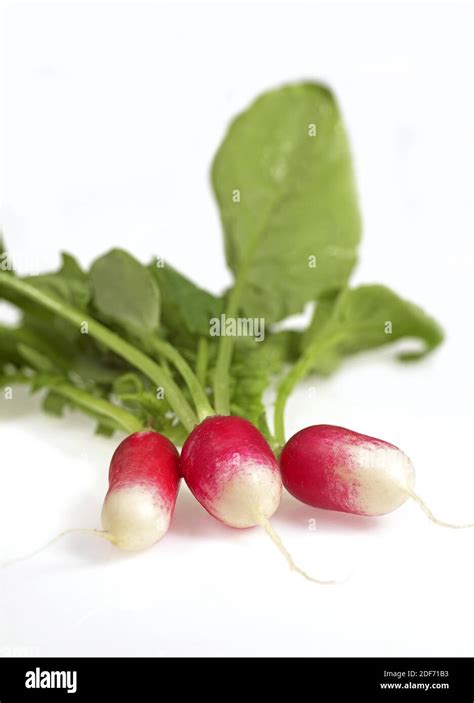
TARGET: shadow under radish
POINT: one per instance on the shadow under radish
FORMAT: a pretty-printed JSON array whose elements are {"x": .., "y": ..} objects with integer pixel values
[
  {"x": 293, "y": 512},
  {"x": 190, "y": 519}
]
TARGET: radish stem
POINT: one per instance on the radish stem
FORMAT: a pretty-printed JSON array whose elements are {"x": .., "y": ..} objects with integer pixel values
[
  {"x": 126, "y": 421},
  {"x": 87, "y": 401},
  {"x": 297, "y": 372},
  {"x": 201, "y": 402},
  {"x": 134, "y": 356},
  {"x": 202, "y": 360},
  {"x": 224, "y": 353}
]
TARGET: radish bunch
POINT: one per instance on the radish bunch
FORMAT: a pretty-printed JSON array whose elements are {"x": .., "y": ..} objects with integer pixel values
[
  {"x": 231, "y": 470},
  {"x": 144, "y": 350},
  {"x": 228, "y": 466}
]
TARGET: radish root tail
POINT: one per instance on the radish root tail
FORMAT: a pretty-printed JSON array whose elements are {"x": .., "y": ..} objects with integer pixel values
[
  {"x": 430, "y": 515},
  {"x": 266, "y": 525},
  {"x": 96, "y": 533}
]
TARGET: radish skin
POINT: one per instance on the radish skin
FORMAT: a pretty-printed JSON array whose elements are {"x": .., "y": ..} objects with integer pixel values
[
  {"x": 232, "y": 472},
  {"x": 143, "y": 487},
  {"x": 334, "y": 468}
]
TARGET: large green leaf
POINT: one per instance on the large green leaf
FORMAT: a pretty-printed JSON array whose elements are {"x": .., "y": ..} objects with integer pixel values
[
  {"x": 186, "y": 308},
  {"x": 285, "y": 187},
  {"x": 125, "y": 293},
  {"x": 364, "y": 318}
]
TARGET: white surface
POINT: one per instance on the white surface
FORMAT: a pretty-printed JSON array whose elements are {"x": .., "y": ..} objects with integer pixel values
[{"x": 110, "y": 118}]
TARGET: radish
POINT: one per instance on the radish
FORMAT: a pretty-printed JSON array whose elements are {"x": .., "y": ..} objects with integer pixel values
[
  {"x": 143, "y": 487},
  {"x": 231, "y": 470},
  {"x": 337, "y": 469}
]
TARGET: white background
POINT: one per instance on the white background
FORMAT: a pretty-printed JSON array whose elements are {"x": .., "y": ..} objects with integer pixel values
[{"x": 111, "y": 114}]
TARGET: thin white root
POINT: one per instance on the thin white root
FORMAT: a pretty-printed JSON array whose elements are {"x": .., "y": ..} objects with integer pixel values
[
  {"x": 96, "y": 533},
  {"x": 428, "y": 512},
  {"x": 276, "y": 539}
]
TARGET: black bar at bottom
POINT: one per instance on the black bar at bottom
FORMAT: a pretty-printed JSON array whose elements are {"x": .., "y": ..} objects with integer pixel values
[{"x": 384, "y": 679}]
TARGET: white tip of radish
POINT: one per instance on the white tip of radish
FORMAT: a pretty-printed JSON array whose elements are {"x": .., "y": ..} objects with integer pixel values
[
  {"x": 386, "y": 477},
  {"x": 387, "y": 481},
  {"x": 253, "y": 492},
  {"x": 134, "y": 517}
]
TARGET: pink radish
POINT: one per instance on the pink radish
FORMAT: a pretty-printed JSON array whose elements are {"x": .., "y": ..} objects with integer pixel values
[
  {"x": 143, "y": 487},
  {"x": 231, "y": 470},
  {"x": 337, "y": 469}
]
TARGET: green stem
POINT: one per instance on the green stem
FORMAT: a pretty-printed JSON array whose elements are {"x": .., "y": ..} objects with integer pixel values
[
  {"x": 202, "y": 360},
  {"x": 198, "y": 395},
  {"x": 122, "y": 418},
  {"x": 298, "y": 372},
  {"x": 284, "y": 389},
  {"x": 14, "y": 378},
  {"x": 87, "y": 401},
  {"x": 134, "y": 356},
  {"x": 224, "y": 353}
]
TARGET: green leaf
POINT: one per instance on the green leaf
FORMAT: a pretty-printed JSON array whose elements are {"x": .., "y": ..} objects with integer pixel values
[
  {"x": 43, "y": 330},
  {"x": 9, "y": 339},
  {"x": 186, "y": 308},
  {"x": 125, "y": 293},
  {"x": 154, "y": 412},
  {"x": 364, "y": 318},
  {"x": 146, "y": 401},
  {"x": 69, "y": 285},
  {"x": 94, "y": 367},
  {"x": 175, "y": 433},
  {"x": 44, "y": 379},
  {"x": 12, "y": 337},
  {"x": 288, "y": 342},
  {"x": 68, "y": 288},
  {"x": 104, "y": 429},
  {"x": 64, "y": 287},
  {"x": 128, "y": 383},
  {"x": 286, "y": 196},
  {"x": 54, "y": 404},
  {"x": 70, "y": 268}
]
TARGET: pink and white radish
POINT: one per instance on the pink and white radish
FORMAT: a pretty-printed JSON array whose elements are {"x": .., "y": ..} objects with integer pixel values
[
  {"x": 143, "y": 487},
  {"x": 335, "y": 468},
  {"x": 231, "y": 470}
]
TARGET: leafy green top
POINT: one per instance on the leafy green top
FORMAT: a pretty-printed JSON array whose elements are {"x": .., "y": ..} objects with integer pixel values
[
  {"x": 285, "y": 187},
  {"x": 130, "y": 344}
]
